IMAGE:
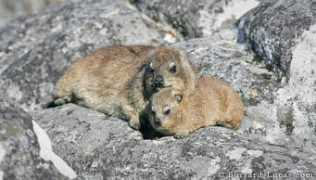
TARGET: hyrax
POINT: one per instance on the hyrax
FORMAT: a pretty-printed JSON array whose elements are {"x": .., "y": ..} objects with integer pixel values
[
  {"x": 212, "y": 102},
  {"x": 119, "y": 80}
]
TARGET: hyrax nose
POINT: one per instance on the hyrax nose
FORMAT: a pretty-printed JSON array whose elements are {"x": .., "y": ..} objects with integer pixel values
[{"x": 159, "y": 82}]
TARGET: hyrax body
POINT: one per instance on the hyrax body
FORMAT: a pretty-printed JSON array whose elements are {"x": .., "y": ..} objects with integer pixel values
[
  {"x": 212, "y": 102},
  {"x": 119, "y": 80}
]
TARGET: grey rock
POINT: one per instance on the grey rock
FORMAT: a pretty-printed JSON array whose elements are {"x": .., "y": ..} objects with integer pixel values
[
  {"x": 10, "y": 9},
  {"x": 283, "y": 34},
  {"x": 81, "y": 134},
  {"x": 196, "y": 18},
  {"x": 277, "y": 137},
  {"x": 295, "y": 102},
  {"x": 100, "y": 147},
  {"x": 221, "y": 57},
  {"x": 271, "y": 30},
  {"x": 19, "y": 149}
]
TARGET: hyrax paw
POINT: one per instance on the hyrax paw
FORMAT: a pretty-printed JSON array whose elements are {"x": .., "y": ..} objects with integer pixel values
[
  {"x": 134, "y": 124},
  {"x": 181, "y": 135}
]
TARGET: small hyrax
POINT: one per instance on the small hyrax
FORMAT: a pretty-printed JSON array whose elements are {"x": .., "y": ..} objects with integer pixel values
[
  {"x": 213, "y": 102},
  {"x": 119, "y": 80}
]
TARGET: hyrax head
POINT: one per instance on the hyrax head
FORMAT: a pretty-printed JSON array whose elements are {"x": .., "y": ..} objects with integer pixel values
[
  {"x": 169, "y": 67},
  {"x": 163, "y": 109}
]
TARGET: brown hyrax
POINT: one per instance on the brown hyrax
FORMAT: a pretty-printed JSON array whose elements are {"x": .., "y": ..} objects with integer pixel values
[
  {"x": 119, "y": 80},
  {"x": 213, "y": 102}
]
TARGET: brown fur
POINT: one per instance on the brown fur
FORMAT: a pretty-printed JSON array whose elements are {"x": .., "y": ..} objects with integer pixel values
[
  {"x": 184, "y": 77},
  {"x": 111, "y": 80},
  {"x": 212, "y": 102}
]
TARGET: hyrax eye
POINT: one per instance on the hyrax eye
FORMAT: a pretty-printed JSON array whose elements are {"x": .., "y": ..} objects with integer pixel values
[
  {"x": 173, "y": 67},
  {"x": 179, "y": 98},
  {"x": 166, "y": 110}
]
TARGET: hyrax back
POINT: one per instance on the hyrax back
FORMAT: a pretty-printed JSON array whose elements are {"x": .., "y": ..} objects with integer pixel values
[
  {"x": 212, "y": 102},
  {"x": 114, "y": 80}
]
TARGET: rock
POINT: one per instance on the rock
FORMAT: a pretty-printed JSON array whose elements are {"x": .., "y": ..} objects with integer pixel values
[
  {"x": 287, "y": 45},
  {"x": 223, "y": 59},
  {"x": 99, "y": 147},
  {"x": 34, "y": 52},
  {"x": 80, "y": 134},
  {"x": 230, "y": 62},
  {"x": 19, "y": 149},
  {"x": 12, "y": 8},
  {"x": 295, "y": 104},
  {"x": 272, "y": 28},
  {"x": 277, "y": 138},
  {"x": 196, "y": 18}
]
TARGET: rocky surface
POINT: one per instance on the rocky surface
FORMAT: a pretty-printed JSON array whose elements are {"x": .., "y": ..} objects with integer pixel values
[
  {"x": 196, "y": 18},
  {"x": 220, "y": 56},
  {"x": 98, "y": 148},
  {"x": 277, "y": 138},
  {"x": 10, "y": 9},
  {"x": 272, "y": 28},
  {"x": 282, "y": 34},
  {"x": 19, "y": 149}
]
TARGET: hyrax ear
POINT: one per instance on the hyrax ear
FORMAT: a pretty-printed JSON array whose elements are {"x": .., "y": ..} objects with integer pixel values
[
  {"x": 148, "y": 68},
  {"x": 151, "y": 56},
  {"x": 151, "y": 66}
]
